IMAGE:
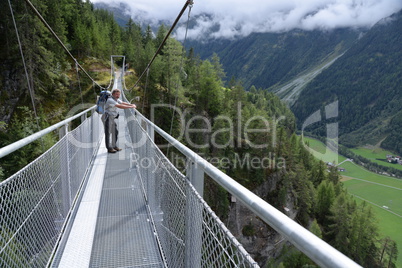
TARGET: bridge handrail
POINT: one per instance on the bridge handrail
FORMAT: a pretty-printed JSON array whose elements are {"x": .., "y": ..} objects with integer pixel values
[
  {"x": 6, "y": 150},
  {"x": 318, "y": 250}
]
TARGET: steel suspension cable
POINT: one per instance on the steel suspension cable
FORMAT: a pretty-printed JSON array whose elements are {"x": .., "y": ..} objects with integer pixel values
[
  {"x": 178, "y": 79},
  {"x": 188, "y": 2},
  {"x": 145, "y": 90},
  {"x": 31, "y": 92},
  {"x": 60, "y": 42}
]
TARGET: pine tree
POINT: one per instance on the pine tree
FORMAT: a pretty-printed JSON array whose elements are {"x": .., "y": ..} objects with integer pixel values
[
  {"x": 133, "y": 47},
  {"x": 324, "y": 201},
  {"x": 364, "y": 236},
  {"x": 339, "y": 229}
]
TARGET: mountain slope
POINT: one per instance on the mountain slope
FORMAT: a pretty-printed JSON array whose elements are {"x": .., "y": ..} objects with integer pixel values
[
  {"x": 267, "y": 59},
  {"x": 367, "y": 82},
  {"x": 120, "y": 11},
  {"x": 290, "y": 91}
]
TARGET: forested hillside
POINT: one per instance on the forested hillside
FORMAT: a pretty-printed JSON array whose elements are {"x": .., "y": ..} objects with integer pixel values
[
  {"x": 367, "y": 82},
  {"x": 266, "y": 59},
  {"x": 250, "y": 135}
]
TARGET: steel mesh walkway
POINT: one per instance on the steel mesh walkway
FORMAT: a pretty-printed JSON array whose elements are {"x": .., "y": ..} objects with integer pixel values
[
  {"x": 114, "y": 202},
  {"x": 124, "y": 235}
]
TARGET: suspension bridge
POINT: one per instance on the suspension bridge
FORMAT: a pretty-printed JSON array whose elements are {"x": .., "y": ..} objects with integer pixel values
[{"x": 78, "y": 206}]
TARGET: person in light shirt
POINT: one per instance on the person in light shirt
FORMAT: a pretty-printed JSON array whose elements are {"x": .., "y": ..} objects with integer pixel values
[{"x": 108, "y": 118}]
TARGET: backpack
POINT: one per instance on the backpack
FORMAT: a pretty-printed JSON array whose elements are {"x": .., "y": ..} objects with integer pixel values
[{"x": 100, "y": 103}]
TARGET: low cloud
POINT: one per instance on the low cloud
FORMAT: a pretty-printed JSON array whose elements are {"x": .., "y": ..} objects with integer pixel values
[{"x": 234, "y": 18}]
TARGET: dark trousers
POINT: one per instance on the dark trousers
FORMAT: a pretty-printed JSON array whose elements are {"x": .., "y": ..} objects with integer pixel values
[{"x": 110, "y": 130}]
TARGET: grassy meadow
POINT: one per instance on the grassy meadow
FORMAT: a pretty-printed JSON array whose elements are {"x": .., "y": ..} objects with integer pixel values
[
  {"x": 383, "y": 193},
  {"x": 376, "y": 155}
]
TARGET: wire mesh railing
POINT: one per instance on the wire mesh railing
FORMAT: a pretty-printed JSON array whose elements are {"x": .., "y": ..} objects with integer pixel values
[
  {"x": 188, "y": 231},
  {"x": 36, "y": 201}
]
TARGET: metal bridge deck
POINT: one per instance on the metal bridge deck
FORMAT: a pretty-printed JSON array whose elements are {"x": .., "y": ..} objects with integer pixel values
[{"x": 123, "y": 236}]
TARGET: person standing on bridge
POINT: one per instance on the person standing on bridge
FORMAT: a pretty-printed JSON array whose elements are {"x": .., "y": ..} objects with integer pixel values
[{"x": 108, "y": 119}]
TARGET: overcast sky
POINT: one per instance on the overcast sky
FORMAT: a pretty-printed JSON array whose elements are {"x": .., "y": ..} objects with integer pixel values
[{"x": 242, "y": 17}]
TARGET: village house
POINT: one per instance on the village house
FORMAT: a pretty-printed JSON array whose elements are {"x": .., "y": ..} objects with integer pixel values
[{"x": 394, "y": 159}]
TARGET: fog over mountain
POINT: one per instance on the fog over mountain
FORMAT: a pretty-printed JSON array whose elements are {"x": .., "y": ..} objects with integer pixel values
[{"x": 239, "y": 18}]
